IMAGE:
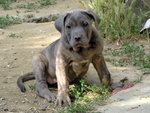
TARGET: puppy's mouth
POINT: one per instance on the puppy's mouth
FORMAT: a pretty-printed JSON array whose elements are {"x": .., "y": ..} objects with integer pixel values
[{"x": 79, "y": 46}]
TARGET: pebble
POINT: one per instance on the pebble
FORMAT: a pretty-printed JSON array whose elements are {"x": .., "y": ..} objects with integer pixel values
[
  {"x": 5, "y": 109},
  {"x": 23, "y": 101},
  {"x": 2, "y": 98}
]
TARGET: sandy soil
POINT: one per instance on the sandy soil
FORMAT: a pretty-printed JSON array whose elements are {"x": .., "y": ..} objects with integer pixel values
[{"x": 16, "y": 55}]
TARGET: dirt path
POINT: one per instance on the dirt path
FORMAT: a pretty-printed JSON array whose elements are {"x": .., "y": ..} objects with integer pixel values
[{"x": 16, "y": 55}]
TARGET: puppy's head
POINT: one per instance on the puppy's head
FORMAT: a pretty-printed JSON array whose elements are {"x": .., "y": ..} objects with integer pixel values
[{"x": 77, "y": 27}]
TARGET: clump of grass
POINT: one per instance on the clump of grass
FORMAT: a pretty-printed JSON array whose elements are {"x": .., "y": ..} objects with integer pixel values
[
  {"x": 14, "y": 35},
  {"x": 80, "y": 90},
  {"x": 130, "y": 54},
  {"x": 9, "y": 20},
  {"x": 27, "y": 6},
  {"x": 6, "y": 4},
  {"x": 29, "y": 16},
  {"x": 85, "y": 96},
  {"x": 20, "y": 6},
  {"x": 31, "y": 6},
  {"x": 46, "y": 2},
  {"x": 32, "y": 87},
  {"x": 118, "y": 22},
  {"x": 76, "y": 108}
]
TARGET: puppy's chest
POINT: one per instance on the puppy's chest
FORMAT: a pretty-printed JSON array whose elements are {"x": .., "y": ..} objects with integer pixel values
[{"x": 80, "y": 67}]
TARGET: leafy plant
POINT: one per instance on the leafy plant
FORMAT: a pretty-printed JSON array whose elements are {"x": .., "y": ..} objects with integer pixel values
[
  {"x": 31, "y": 6},
  {"x": 6, "y": 6},
  {"x": 13, "y": 35},
  {"x": 130, "y": 54},
  {"x": 29, "y": 16},
  {"x": 9, "y": 20},
  {"x": 81, "y": 89},
  {"x": 46, "y": 2},
  {"x": 118, "y": 21},
  {"x": 32, "y": 87}
]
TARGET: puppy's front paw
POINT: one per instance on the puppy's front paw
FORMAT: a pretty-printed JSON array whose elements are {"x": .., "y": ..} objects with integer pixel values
[{"x": 63, "y": 98}]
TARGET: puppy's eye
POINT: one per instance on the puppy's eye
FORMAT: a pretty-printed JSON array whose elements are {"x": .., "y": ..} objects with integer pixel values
[
  {"x": 85, "y": 24},
  {"x": 68, "y": 27}
]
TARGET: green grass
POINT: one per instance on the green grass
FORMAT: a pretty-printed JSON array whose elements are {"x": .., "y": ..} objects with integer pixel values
[
  {"x": 118, "y": 22},
  {"x": 29, "y": 16},
  {"x": 14, "y": 35},
  {"x": 83, "y": 96},
  {"x": 31, "y": 6},
  {"x": 27, "y": 6},
  {"x": 32, "y": 87},
  {"x": 6, "y": 4},
  {"x": 129, "y": 54},
  {"x": 20, "y": 6},
  {"x": 46, "y": 2},
  {"x": 9, "y": 20}
]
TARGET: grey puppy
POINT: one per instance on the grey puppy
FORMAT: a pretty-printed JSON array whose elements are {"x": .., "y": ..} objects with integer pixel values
[{"x": 68, "y": 58}]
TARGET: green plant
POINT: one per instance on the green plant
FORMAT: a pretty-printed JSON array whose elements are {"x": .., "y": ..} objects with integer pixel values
[
  {"x": 6, "y": 6},
  {"x": 9, "y": 20},
  {"x": 130, "y": 54},
  {"x": 118, "y": 21},
  {"x": 2, "y": 1},
  {"x": 32, "y": 87},
  {"x": 20, "y": 6},
  {"x": 46, "y": 2},
  {"x": 78, "y": 108},
  {"x": 31, "y": 6},
  {"x": 13, "y": 35},
  {"x": 79, "y": 90},
  {"x": 29, "y": 16}
]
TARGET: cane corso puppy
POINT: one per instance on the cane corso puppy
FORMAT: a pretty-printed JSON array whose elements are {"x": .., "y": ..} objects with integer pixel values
[{"x": 68, "y": 58}]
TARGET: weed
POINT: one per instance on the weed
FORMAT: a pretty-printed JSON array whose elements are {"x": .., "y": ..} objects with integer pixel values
[
  {"x": 6, "y": 6},
  {"x": 47, "y": 2},
  {"x": 130, "y": 54},
  {"x": 13, "y": 35},
  {"x": 29, "y": 16},
  {"x": 9, "y": 20},
  {"x": 117, "y": 21},
  {"x": 81, "y": 89},
  {"x": 20, "y": 6},
  {"x": 31, "y": 6},
  {"x": 78, "y": 90},
  {"x": 2, "y": 1},
  {"x": 32, "y": 87},
  {"x": 78, "y": 108}
]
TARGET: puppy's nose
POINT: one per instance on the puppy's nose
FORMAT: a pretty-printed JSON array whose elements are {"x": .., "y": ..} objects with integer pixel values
[{"x": 77, "y": 38}]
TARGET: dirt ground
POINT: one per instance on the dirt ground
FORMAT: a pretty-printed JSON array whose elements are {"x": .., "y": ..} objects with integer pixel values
[{"x": 16, "y": 56}]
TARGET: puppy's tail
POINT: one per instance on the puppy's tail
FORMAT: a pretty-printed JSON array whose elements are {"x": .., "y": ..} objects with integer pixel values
[{"x": 24, "y": 78}]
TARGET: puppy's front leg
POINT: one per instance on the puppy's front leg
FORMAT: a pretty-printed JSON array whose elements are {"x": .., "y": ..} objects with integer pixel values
[
  {"x": 101, "y": 68},
  {"x": 62, "y": 82}
]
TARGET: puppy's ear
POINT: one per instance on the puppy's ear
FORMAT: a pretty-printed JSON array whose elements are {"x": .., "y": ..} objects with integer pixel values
[
  {"x": 60, "y": 22},
  {"x": 93, "y": 16}
]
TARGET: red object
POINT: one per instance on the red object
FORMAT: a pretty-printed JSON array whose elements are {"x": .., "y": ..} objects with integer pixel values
[{"x": 126, "y": 86}]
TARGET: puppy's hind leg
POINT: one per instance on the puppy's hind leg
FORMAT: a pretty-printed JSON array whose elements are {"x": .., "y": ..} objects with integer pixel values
[{"x": 39, "y": 63}]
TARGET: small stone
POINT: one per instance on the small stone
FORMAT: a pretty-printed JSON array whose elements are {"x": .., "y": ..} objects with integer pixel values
[
  {"x": 5, "y": 109},
  {"x": 23, "y": 101},
  {"x": 2, "y": 98}
]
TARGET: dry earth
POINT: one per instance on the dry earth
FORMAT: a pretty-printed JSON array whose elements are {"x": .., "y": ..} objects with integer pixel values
[{"x": 16, "y": 55}]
